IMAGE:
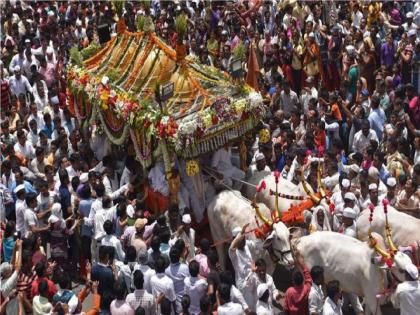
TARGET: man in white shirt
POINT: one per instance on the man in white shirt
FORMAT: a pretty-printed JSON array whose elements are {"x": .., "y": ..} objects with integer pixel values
[
  {"x": 31, "y": 218},
  {"x": 140, "y": 297},
  {"x": 288, "y": 99},
  {"x": 186, "y": 233},
  {"x": 264, "y": 306},
  {"x": 308, "y": 92},
  {"x": 20, "y": 207},
  {"x": 256, "y": 277},
  {"x": 111, "y": 240},
  {"x": 316, "y": 295},
  {"x": 148, "y": 273},
  {"x": 18, "y": 83},
  {"x": 362, "y": 138},
  {"x": 24, "y": 147},
  {"x": 195, "y": 287},
  {"x": 348, "y": 226},
  {"x": 161, "y": 283},
  {"x": 107, "y": 212},
  {"x": 240, "y": 253},
  {"x": 177, "y": 271},
  {"x": 332, "y": 305},
  {"x": 222, "y": 162},
  {"x": 227, "y": 307},
  {"x": 407, "y": 295}
]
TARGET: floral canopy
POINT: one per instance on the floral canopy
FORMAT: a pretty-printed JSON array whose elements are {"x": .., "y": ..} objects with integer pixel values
[{"x": 117, "y": 84}]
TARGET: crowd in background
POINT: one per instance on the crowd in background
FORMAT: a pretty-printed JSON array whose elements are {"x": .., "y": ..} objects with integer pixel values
[{"x": 340, "y": 80}]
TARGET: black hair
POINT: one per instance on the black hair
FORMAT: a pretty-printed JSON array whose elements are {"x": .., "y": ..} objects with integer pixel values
[
  {"x": 261, "y": 263},
  {"x": 185, "y": 304},
  {"x": 333, "y": 287},
  {"x": 138, "y": 279},
  {"x": 64, "y": 281},
  {"x": 99, "y": 189},
  {"x": 102, "y": 252},
  {"x": 30, "y": 197},
  {"x": 297, "y": 277},
  {"x": 43, "y": 288},
  {"x": 212, "y": 257},
  {"x": 224, "y": 292},
  {"x": 119, "y": 290},
  {"x": 174, "y": 254},
  {"x": 130, "y": 254},
  {"x": 204, "y": 245},
  {"x": 160, "y": 264},
  {"x": 108, "y": 227},
  {"x": 226, "y": 277},
  {"x": 40, "y": 269},
  {"x": 317, "y": 272},
  {"x": 165, "y": 307},
  {"x": 194, "y": 268},
  {"x": 155, "y": 243},
  {"x": 205, "y": 303}
]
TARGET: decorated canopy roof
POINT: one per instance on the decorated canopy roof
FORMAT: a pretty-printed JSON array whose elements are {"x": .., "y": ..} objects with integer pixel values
[{"x": 206, "y": 110}]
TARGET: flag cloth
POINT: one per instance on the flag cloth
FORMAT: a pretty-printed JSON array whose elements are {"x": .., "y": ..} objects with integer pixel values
[{"x": 253, "y": 69}]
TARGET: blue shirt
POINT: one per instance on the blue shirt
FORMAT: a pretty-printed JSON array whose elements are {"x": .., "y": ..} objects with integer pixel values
[
  {"x": 65, "y": 199},
  {"x": 104, "y": 275},
  {"x": 48, "y": 130},
  {"x": 8, "y": 244},
  {"x": 84, "y": 208},
  {"x": 377, "y": 120},
  {"x": 28, "y": 188}
]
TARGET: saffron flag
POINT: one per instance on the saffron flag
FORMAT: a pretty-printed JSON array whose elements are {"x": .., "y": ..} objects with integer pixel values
[{"x": 253, "y": 69}]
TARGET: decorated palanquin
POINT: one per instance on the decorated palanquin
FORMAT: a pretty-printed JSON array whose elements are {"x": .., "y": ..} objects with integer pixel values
[{"x": 206, "y": 110}]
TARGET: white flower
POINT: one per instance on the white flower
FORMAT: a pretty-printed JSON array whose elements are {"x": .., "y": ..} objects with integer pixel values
[{"x": 255, "y": 100}]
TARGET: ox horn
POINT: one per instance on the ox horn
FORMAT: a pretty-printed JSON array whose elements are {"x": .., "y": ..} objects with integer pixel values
[
  {"x": 311, "y": 195},
  {"x": 259, "y": 214},
  {"x": 320, "y": 186},
  {"x": 373, "y": 243},
  {"x": 388, "y": 230}
]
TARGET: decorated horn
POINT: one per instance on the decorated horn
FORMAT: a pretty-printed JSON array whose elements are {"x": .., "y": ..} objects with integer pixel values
[
  {"x": 259, "y": 214},
  {"x": 388, "y": 230},
  {"x": 276, "y": 179},
  {"x": 314, "y": 198},
  {"x": 320, "y": 187},
  {"x": 374, "y": 244}
]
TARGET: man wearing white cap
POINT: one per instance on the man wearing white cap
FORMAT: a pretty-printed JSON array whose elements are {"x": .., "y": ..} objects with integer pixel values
[
  {"x": 373, "y": 194},
  {"x": 18, "y": 83},
  {"x": 409, "y": 25},
  {"x": 348, "y": 226},
  {"x": 256, "y": 172},
  {"x": 391, "y": 184},
  {"x": 264, "y": 307},
  {"x": 187, "y": 234},
  {"x": 407, "y": 295},
  {"x": 350, "y": 201},
  {"x": 337, "y": 197}
]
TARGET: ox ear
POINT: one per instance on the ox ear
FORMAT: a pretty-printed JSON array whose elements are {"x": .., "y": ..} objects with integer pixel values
[
  {"x": 379, "y": 262},
  {"x": 268, "y": 242}
]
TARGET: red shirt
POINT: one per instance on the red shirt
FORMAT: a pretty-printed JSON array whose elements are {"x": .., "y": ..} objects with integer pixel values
[
  {"x": 296, "y": 300},
  {"x": 51, "y": 287}
]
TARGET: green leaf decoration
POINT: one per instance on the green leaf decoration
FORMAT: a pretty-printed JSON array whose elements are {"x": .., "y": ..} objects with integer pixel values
[
  {"x": 76, "y": 56},
  {"x": 90, "y": 50},
  {"x": 181, "y": 26},
  {"x": 119, "y": 6},
  {"x": 145, "y": 24},
  {"x": 239, "y": 51}
]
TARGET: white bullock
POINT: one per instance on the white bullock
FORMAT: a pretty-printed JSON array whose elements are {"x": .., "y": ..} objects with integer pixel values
[
  {"x": 228, "y": 210},
  {"x": 349, "y": 261},
  {"x": 405, "y": 228},
  {"x": 284, "y": 187}
]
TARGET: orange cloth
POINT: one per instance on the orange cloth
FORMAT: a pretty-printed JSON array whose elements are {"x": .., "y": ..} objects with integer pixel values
[
  {"x": 96, "y": 303},
  {"x": 253, "y": 69},
  {"x": 320, "y": 138},
  {"x": 336, "y": 112},
  {"x": 156, "y": 202}
]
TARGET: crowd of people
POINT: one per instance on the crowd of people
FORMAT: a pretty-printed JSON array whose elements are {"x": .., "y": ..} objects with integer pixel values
[{"x": 341, "y": 85}]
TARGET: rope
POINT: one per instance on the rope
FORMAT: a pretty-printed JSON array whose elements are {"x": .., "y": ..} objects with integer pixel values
[
  {"x": 228, "y": 239},
  {"x": 233, "y": 178}
]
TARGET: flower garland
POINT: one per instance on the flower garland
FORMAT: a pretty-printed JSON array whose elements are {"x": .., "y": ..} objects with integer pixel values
[{"x": 192, "y": 168}]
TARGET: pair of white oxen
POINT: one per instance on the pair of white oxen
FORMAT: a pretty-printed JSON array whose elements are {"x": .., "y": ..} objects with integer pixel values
[{"x": 346, "y": 259}]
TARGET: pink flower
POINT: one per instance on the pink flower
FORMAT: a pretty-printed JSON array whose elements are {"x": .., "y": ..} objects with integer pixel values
[
  {"x": 276, "y": 176},
  {"x": 261, "y": 186},
  {"x": 371, "y": 207},
  {"x": 332, "y": 207},
  {"x": 385, "y": 202}
]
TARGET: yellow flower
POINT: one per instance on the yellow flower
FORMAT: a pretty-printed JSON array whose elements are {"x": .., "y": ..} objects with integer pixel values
[
  {"x": 192, "y": 167},
  {"x": 264, "y": 136},
  {"x": 104, "y": 96}
]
